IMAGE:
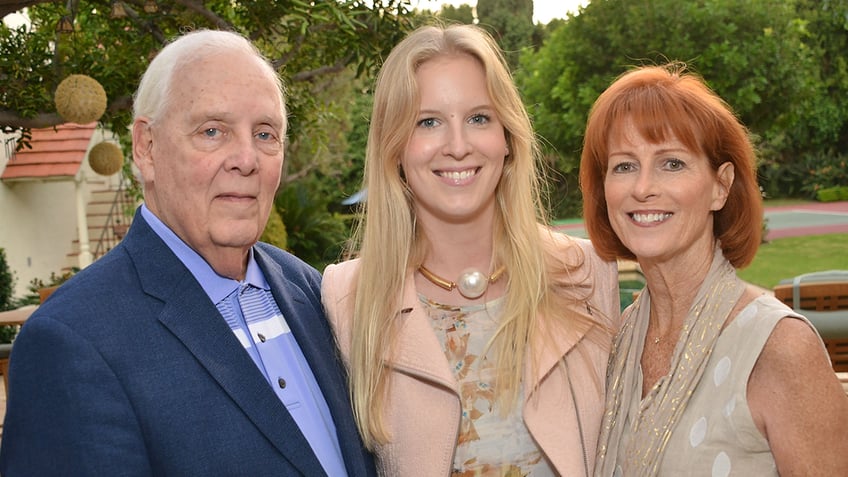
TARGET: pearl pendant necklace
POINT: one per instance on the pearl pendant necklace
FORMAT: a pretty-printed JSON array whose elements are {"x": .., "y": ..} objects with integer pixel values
[{"x": 472, "y": 283}]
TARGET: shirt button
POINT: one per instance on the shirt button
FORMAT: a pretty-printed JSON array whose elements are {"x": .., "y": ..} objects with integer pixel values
[
  {"x": 282, "y": 383},
  {"x": 261, "y": 337}
]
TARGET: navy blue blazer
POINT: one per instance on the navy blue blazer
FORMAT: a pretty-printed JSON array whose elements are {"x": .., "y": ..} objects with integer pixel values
[{"x": 129, "y": 369}]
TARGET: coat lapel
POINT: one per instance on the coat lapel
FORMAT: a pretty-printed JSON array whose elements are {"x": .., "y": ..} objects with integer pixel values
[
  {"x": 420, "y": 352},
  {"x": 551, "y": 342},
  {"x": 217, "y": 349},
  {"x": 195, "y": 321}
]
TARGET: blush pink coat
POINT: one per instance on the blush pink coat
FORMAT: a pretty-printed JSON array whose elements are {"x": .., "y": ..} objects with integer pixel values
[{"x": 423, "y": 410}]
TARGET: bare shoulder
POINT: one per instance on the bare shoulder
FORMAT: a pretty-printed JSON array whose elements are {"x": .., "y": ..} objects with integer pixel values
[
  {"x": 793, "y": 343},
  {"x": 798, "y": 403},
  {"x": 793, "y": 359}
]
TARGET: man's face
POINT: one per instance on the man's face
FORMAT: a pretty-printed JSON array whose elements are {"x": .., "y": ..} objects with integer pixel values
[{"x": 212, "y": 164}]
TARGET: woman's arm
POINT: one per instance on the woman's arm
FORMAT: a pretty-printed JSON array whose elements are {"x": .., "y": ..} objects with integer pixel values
[{"x": 798, "y": 403}]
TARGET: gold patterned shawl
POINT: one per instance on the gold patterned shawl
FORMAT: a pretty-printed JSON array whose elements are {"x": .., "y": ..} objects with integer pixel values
[{"x": 655, "y": 417}]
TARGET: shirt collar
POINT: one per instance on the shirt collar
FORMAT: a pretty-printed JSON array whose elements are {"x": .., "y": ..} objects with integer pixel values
[{"x": 217, "y": 287}]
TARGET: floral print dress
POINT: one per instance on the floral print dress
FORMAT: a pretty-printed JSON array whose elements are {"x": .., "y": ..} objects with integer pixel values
[{"x": 490, "y": 443}]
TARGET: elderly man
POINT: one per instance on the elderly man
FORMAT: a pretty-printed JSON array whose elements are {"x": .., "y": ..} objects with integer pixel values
[{"x": 190, "y": 349}]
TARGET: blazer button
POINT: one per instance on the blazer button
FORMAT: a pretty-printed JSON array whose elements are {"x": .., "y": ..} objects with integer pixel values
[
  {"x": 261, "y": 337},
  {"x": 282, "y": 383}
]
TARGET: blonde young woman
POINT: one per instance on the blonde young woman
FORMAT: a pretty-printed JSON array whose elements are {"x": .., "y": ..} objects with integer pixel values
[{"x": 476, "y": 338}]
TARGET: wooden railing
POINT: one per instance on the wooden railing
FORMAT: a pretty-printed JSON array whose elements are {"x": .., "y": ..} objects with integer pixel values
[
  {"x": 823, "y": 298},
  {"x": 117, "y": 222}
]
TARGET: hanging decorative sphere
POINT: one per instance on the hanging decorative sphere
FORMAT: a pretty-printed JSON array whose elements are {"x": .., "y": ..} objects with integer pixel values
[
  {"x": 80, "y": 99},
  {"x": 106, "y": 158},
  {"x": 472, "y": 283}
]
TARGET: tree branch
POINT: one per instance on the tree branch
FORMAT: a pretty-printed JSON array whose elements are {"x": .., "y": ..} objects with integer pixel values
[
  {"x": 334, "y": 68},
  {"x": 199, "y": 8},
  {"x": 12, "y": 6},
  {"x": 42, "y": 120},
  {"x": 295, "y": 176},
  {"x": 11, "y": 119}
]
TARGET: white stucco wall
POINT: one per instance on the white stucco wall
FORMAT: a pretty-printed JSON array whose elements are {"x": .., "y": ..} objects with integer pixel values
[{"x": 39, "y": 226}]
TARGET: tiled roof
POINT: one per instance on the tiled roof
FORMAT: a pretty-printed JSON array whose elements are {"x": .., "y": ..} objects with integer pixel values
[{"x": 56, "y": 152}]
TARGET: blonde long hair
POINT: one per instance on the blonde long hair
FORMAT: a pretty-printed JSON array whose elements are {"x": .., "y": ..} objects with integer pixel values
[{"x": 390, "y": 246}]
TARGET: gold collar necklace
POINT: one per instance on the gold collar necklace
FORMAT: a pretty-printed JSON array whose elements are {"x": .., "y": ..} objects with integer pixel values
[{"x": 472, "y": 283}]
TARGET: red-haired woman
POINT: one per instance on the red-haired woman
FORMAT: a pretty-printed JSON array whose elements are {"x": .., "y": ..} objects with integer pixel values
[{"x": 709, "y": 376}]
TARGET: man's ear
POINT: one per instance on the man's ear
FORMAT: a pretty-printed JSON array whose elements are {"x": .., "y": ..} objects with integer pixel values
[
  {"x": 142, "y": 148},
  {"x": 725, "y": 175}
]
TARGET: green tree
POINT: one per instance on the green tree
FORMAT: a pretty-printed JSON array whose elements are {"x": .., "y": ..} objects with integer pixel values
[
  {"x": 350, "y": 178},
  {"x": 460, "y": 14},
  {"x": 752, "y": 53},
  {"x": 510, "y": 22},
  {"x": 824, "y": 119}
]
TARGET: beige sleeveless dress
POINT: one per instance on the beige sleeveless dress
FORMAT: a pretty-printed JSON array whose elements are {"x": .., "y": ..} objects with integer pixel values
[{"x": 716, "y": 435}]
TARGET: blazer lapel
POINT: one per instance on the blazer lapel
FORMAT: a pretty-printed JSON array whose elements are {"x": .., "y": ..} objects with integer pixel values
[
  {"x": 418, "y": 349},
  {"x": 551, "y": 342},
  {"x": 195, "y": 321}
]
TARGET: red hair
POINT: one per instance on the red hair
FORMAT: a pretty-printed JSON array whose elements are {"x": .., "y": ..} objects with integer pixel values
[{"x": 664, "y": 102}]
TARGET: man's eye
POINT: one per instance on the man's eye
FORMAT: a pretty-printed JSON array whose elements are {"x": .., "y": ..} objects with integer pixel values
[{"x": 211, "y": 132}]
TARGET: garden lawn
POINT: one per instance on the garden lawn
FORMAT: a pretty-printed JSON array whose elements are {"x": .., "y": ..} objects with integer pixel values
[{"x": 788, "y": 257}]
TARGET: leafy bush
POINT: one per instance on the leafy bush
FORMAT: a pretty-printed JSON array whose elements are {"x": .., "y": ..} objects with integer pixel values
[
  {"x": 7, "y": 285},
  {"x": 275, "y": 230},
  {"x": 825, "y": 171},
  {"x": 315, "y": 234},
  {"x": 803, "y": 177},
  {"x": 832, "y": 194},
  {"x": 783, "y": 180},
  {"x": 32, "y": 297}
]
